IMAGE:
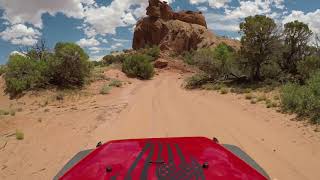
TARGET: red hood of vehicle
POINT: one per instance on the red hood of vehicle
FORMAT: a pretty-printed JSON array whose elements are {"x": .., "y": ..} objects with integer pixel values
[{"x": 162, "y": 158}]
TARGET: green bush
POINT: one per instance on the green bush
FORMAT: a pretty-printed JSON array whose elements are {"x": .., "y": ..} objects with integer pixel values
[
  {"x": 224, "y": 91},
  {"x": 308, "y": 66},
  {"x": 105, "y": 89},
  {"x": 262, "y": 98},
  {"x": 138, "y": 66},
  {"x": 4, "y": 112},
  {"x": 188, "y": 57},
  {"x": 217, "y": 63},
  {"x": 24, "y": 73},
  {"x": 111, "y": 59},
  {"x": 153, "y": 52},
  {"x": 196, "y": 81},
  {"x": 271, "y": 70},
  {"x": 115, "y": 83},
  {"x": 3, "y": 69},
  {"x": 249, "y": 96},
  {"x": 19, "y": 135},
  {"x": 70, "y": 66},
  {"x": 303, "y": 100}
]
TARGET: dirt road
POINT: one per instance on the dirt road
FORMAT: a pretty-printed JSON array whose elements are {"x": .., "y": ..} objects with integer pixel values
[{"x": 161, "y": 108}]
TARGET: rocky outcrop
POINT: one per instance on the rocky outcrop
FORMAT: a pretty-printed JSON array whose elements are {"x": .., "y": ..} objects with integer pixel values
[
  {"x": 176, "y": 31},
  {"x": 161, "y": 63},
  {"x": 162, "y": 10}
]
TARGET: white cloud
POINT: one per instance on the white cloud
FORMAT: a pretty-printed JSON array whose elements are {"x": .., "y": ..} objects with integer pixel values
[
  {"x": 279, "y": 4},
  {"x": 197, "y": 1},
  {"x": 31, "y": 11},
  {"x": 89, "y": 32},
  {"x": 104, "y": 40},
  {"x": 88, "y": 42},
  {"x": 230, "y": 19},
  {"x": 105, "y": 19},
  {"x": 249, "y": 8},
  {"x": 202, "y": 8},
  {"x": 311, "y": 18},
  {"x": 213, "y": 3},
  {"x": 96, "y": 57},
  {"x": 20, "y": 34},
  {"x": 115, "y": 46},
  {"x": 98, "y": 20},
  {"x": 95, "y": 50},
  {"x": 120, "y": 40},
  {"x": 220, "y": 22}
]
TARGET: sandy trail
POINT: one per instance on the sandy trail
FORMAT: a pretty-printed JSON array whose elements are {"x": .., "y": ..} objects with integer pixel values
[{"x": 161, "y": 108}]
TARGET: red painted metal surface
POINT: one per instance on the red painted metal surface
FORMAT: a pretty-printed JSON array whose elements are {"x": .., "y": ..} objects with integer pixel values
[{"x": 162, "y": 158}]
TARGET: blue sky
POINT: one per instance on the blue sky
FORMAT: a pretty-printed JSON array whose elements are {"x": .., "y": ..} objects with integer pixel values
[{"x": 101, "y": 26}]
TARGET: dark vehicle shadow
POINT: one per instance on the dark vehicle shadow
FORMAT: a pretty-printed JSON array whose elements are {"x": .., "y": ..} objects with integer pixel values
[
  {"x": 75, "y": 159},
  {"x": 246, "y": 158}
]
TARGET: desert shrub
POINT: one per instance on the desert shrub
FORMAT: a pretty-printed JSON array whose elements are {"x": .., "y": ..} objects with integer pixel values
[
  {"x": 262, "y": 98},
  {"x": 24, "y": 73},
  {"x": 138, "y": 66},
  {"x": 105, "y": 89},
  {"x": 12, "y": 112},
  {"x": 213, "y": 86},
  {"x": 271, "y": 70},
  {"x": 204, "y": 59},
  {"x": 249, "y": 96},
  {"x": 110, "y": 59},
  {"x": 308, "y": 66},
  {"x": 97, "y": 74},
  {"x": 97, "y": 63},
  {"x": 3, "y": 69},
  {"x": 217, "y": 63},
  {"x": 224, "y": 91},
  {"x": 4, "y": 112},
  {"x": 115, "y": 83},
  {"x": 70, "y": 66},
  {"x": 153, "y": 52},
  {"x": 247, "y": 90},
  {"x": 188, "y": 57},
  {"x": 196, "y": 81},
  {"x": 253, "y": 101},
  {"x": 19, "y": 135},
  {"x": 303, "y": 100}
]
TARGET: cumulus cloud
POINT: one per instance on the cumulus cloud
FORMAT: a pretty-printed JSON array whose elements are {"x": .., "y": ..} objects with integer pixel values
[
  {"x": 212, "y": 3},
  {"x": 232, "y": 16},
  {"x": 17, "y": 11},
  {"x": 20, "y": 34},
  {"x": 88, "y": 42},
  {"x": 105, "y": 19},
  {"x": 98, "y": 19},
  {"x": 249, "y": 8},
  {"x": 95, "y": 50},
  {"x": 120, "y": 13},
  {"x": 115, "y": 46},
  {"x": 220, "y": 22},
  {"x": 311, "y": 18},
  {"x": 120, "y": 40},
  {"x": 104, "y": 40},
  {"x": 202, "y": 8}
]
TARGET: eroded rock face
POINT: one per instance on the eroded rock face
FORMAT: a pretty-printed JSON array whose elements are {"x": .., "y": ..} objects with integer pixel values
[
  {"x": 176, "y": 31},
  {"x": 161, "y": 63}
]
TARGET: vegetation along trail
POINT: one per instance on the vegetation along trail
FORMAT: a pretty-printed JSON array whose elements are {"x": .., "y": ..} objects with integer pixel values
[{"x": 161, "y": 108}]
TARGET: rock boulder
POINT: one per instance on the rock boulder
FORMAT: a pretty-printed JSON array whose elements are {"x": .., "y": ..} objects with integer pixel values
[{"x": 175, "y": 31}]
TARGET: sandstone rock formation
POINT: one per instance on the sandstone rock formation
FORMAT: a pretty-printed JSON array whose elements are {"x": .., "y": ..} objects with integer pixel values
[
  {"x": 161, "y": 63},
  {"x": 176, "y": 31}
]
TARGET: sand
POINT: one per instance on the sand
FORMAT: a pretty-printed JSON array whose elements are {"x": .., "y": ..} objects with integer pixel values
[{"x": 159, "y": 107}]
